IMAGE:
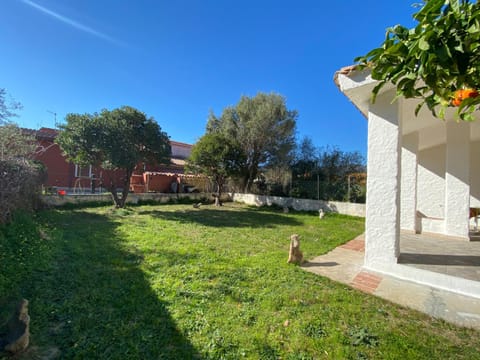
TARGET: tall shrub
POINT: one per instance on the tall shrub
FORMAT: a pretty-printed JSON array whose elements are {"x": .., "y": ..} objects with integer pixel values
[{"x": 20, "y": 184}]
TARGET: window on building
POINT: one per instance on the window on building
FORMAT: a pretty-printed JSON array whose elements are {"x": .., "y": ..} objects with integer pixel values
[{"x": 83, "y": 171}]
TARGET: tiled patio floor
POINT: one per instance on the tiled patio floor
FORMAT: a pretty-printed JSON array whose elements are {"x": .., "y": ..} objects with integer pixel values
[{"x": 442, "y": 255}]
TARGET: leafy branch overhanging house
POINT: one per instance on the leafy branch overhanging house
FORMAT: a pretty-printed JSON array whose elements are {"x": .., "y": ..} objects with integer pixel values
[
  {"x": 423, "y": 177},
  {"x": 65, "y": 175}
]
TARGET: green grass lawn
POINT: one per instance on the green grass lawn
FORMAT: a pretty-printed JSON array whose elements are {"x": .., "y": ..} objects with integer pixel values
[{"x": 174, "y": 282}]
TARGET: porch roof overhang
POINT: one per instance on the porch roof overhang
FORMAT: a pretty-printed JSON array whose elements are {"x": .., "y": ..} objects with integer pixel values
[{"x": 357, "y": 86}]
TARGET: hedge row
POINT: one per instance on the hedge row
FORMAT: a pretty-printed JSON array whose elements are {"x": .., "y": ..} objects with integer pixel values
[{"x": 20, "y": 184}]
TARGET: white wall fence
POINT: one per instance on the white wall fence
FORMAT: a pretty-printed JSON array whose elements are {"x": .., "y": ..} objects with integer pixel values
[
  {"x": 249, "y": 199},
  {"x": 301, "y": 204},
  {"x": 57, "y": 200}
]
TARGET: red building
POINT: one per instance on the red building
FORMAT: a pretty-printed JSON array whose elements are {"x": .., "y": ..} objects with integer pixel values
[{"x": 74, "y": 178}]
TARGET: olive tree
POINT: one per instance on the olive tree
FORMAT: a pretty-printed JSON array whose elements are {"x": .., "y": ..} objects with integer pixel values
[
  {"x": 119, "y": 140},
  {"x": 265, "y": 129}
]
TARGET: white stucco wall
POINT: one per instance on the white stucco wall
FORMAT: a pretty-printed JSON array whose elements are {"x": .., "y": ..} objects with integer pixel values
[
  {"x": 408, "y": 192},
  {"x": 382, "y": 222},
  {"x": 351, "y": 209},
  {"x": 432, "y": 194},
  {"x": 431, "y": 182},
  {"x": 475, "y": 174}
]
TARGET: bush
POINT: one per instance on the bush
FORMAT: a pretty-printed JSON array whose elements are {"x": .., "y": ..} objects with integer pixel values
[{"x": 20, "y": 183}]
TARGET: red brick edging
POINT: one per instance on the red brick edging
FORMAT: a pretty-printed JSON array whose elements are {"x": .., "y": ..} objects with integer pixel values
[
  {"x": 366, "y": 282},
  {"x": 355, "y": 245}
]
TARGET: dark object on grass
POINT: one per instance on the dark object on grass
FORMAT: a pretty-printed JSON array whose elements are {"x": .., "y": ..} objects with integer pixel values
[
  {"x": 197, "y": 206},
  {"x": 17, "y": 334}
]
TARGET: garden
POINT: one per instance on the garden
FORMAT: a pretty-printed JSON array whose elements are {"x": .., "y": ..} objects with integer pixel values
[{"x": 176, "y": 282}]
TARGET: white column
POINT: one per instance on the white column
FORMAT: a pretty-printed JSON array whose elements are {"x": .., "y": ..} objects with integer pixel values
[
  {"x": 383, "y": 184},
  {"x": 457, "y": 179},
  {"x": 408, "y": 192}
]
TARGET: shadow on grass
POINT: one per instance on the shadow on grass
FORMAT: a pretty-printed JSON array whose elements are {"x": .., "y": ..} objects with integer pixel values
[
  {"x": 225, "y": 217},
  {"x": 93, "y": 301}
]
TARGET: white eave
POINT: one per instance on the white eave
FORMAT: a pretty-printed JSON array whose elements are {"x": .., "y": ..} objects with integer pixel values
[{"x": 357, "y": 86}]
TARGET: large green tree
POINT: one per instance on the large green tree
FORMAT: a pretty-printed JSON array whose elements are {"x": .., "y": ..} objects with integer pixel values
[
  {"x": 265, "y": 129},
  {"x": 217, "y": 157},
  {"x": 119, "y": 139},
  {"x": 435, "y": 60}
]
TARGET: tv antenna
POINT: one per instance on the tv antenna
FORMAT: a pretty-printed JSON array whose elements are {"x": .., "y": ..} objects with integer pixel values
[{"x": 54, "y": 116}]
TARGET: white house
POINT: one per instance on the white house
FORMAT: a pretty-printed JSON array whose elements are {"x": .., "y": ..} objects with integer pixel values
[{"x": 423, "y": 177}]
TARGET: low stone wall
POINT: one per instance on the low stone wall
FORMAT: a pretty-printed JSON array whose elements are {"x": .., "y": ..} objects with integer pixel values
[
  {"x": 301, "y": 204},
  {"x": 249, "y": 199},
  {"x": 56, "y": 200}
]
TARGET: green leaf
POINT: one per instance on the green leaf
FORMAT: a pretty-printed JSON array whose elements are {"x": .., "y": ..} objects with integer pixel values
[
  {"x": 441, "y": 113},
  {"x": 431, "y": 6},
  {"x": 423, "y": 44},
  {"x": 418, "y": 107},
  {"x": 473, "y": 29},
  {"x": 376, "y": 90},
  {"x": 455, "y": 5}
]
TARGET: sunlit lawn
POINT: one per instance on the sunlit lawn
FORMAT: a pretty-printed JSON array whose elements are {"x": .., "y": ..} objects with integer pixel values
[{"x": 174, "y": 282}]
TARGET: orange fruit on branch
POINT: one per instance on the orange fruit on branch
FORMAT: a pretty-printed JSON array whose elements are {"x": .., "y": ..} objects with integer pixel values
[{"x": 463, "y": 94}]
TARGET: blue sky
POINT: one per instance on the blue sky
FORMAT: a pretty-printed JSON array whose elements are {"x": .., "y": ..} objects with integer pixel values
[{"x": 176, "y": 60}]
